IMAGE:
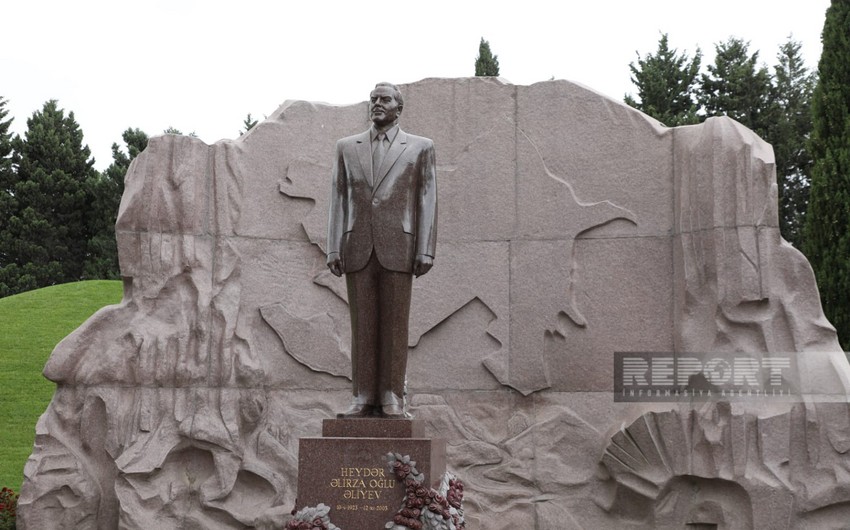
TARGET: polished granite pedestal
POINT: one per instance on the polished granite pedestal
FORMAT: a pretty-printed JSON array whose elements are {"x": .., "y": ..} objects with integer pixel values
[{"x": 347, "y": 469}]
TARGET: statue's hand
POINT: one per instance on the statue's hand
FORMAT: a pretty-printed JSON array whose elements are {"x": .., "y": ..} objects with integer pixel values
[
  {"x": 335, "y": 264},
  {"x": 422, "y": 264}
]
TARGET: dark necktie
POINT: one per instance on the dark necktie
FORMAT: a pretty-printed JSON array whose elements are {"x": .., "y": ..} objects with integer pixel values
[{"x": 379, "y": 153}]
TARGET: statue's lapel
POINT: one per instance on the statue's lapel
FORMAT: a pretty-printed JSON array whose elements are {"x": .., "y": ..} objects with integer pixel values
[
  {"x": 396, "y": 149},
  {"x": 364, "y": 155}
]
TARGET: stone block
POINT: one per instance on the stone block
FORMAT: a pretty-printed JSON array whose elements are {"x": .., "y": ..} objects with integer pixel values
[
  {"x": 352, "y": 477},
  {"x": 372, "y": 428}
]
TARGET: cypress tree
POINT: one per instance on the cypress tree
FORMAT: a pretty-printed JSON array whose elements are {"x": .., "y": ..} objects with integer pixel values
[
  {"x": 486, "y": 64},
  {"x": 738, "y": 87},
  {"x": 827, "y": 226},
  {"x": 666, "y": 83},
  {"x": 788, "y": 133}
]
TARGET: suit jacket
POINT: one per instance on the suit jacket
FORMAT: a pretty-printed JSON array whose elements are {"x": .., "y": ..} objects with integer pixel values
[{"x": 396, "y": 215}]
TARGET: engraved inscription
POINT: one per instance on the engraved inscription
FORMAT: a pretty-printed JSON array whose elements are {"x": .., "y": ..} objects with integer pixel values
[{"x": 362, "y": 483}]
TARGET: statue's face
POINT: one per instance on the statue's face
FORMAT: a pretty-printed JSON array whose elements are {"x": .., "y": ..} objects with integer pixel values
[{"x": 383, "y": 107}]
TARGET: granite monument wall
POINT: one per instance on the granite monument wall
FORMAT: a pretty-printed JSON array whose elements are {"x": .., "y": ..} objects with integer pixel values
[{"x": 571, "y": 227}]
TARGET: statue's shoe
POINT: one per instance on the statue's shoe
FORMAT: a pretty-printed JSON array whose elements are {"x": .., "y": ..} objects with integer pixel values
[{"x": 357, "y": 410}]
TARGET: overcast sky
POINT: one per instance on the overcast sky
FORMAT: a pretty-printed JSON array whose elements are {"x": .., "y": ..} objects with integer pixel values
[{"x": 203, "y": 65}]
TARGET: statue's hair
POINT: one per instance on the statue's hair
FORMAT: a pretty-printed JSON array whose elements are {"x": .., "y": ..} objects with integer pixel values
[{"x": 396, "y": 92}]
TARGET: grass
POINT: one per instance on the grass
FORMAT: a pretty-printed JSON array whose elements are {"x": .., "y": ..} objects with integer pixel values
[{"x": 31, "y": 324}]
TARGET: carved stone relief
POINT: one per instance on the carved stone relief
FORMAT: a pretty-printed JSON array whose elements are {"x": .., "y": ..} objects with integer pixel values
[{"x": 571, "y": 227}]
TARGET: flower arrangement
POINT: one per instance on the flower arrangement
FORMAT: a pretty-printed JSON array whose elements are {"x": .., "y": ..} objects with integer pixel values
[
  {"x": 313, "y": 518},
  {"x": 8, "y": 509},
  {"x": 425, "y": 508}
]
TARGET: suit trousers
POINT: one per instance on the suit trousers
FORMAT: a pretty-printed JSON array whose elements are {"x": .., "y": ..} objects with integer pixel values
[{"x": 379, "y": 302}]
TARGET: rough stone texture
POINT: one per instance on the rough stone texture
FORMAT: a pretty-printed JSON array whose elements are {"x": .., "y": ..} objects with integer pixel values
[
  {"x": 571, "y": 227},
  {"x": 734, "y": 466}
]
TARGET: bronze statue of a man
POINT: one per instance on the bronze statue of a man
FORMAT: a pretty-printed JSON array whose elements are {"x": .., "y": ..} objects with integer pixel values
[{"x": 382, "y": 231}]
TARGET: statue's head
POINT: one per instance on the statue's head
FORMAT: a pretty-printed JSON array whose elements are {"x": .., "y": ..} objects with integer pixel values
[{"x": 385, "y": 104}]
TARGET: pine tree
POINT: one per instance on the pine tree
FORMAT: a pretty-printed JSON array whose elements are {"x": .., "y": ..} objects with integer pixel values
[
  {"x": 249, "y": 124},
  {"x": 486, "y": 64},
  {"x": 5, "y": 141},
  {"x": 738, "y": 87},
  {"x": 827, "y": 227},
  {"x": 788, "y": 132},
  {"x": 8, "y": 176},
  {"x": 44, "y": 239},
  {"x": 666, "y": 85},
  {"x": 174, "y": 130},
  {"x": 106, "y": 190},
  {"x": 7, "y": 172}
]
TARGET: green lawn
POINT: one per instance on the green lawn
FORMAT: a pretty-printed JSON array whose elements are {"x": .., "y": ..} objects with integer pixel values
[{"x": 31, "y": 324}]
